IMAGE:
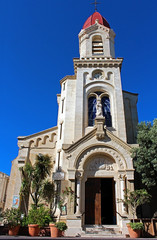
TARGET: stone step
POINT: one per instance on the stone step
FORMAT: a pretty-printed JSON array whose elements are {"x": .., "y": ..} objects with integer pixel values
[{"x": 102, "y": 230}]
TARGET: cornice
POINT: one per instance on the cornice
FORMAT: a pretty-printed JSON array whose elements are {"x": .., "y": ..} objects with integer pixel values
[
  {"x": 97, "y": 62},
  {"x": 71, "y": 77},
  {"x": 94, "y": 27},
  {"x": 80, "y": 141},
  {"x": 136, "y": 94},
  {"x": 38, "y": 133},
  {"x": 4, "y": 174},
  {"x": 118, "y": 140}
]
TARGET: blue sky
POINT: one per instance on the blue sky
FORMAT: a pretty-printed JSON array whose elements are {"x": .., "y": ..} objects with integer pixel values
[{"x": 38, "y": 40}]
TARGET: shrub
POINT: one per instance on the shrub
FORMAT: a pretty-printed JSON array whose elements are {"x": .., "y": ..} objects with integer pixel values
[
  {"x": 61, "y": 226},
  {"x": 11, "y": 217},
  {"x": 136, "y": 225},
  {"x": 40, "y": 216}
]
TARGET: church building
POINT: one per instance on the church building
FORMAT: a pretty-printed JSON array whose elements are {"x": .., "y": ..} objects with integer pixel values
[{"x": 96, "y": 128}]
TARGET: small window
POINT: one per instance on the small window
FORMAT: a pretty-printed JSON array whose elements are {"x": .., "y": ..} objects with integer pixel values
[
  {"x": 97, "y": 45},
  {"x": 63, "y": 86},
  {"x": 98, "y": 74},
  {"x": 62, "y": 106},
  {"x": 60, "y": 131}
]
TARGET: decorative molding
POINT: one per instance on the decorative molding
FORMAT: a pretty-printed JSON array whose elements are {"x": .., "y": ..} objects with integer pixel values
[
  {"x": 119, "y": 141},
  {"x": 95, "y": 27},
  {"x": 69, "y": 148},
  {"x": 93, "y": 62},
  {"x": 100, "y": 131},
  {"x": 70, "y": 77},
  {"x": 37, "y": 134},
  {"x": 79, "y": 175},
  {"x": 122, "y": 177},
  {"x": 98, "y": 150},
  {"x": 73, "y": 146},
  {"x": 39, "y": 142},
  {"x": 98, "y": 82}
]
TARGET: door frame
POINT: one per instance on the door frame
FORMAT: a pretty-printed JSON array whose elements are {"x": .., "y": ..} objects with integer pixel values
[{"x": 114, "y": 193}]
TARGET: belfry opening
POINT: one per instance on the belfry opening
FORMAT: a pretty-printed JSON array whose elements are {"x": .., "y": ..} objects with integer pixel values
[{"x": 100, "y": 207}]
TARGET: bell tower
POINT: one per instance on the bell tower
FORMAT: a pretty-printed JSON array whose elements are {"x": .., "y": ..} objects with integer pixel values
[
  {"x": 96, "y": 39},
  {"x": 98, "y": 75}
]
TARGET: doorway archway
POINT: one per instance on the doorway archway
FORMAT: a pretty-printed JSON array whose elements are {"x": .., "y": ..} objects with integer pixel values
[{"x": 100, "y": 207}]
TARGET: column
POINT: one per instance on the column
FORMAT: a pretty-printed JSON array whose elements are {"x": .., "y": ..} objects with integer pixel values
[
  {"x": 122, "y": 188},
  {"x": 78, "y": 189}
]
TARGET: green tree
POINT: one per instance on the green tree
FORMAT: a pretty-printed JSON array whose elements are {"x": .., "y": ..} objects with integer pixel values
[
  {"x": 34, "y": 179},
  {"x": 145, "y": 156},
  {"x": 133, "y": 199}
]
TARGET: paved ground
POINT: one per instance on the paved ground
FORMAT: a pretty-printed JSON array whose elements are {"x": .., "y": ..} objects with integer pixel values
[{"x": 65, "y": 238}]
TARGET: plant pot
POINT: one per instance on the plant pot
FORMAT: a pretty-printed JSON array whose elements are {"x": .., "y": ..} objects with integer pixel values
[
  {"x": 33, "y": 229},
  {"x": 133, "y": 233},
  {"x": 13, "y": 231},
  {"x": 54, "y": 230},
  {"x": 60, "y": 233}
]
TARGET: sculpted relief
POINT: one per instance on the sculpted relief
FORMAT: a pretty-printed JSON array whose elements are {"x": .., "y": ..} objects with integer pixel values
[{"x": 100, "y": 163}]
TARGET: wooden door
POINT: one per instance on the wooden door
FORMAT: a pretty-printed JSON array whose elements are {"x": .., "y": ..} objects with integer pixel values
[
  {"x": 93, "y": 201},
  {"x": 114, "y": 202}
]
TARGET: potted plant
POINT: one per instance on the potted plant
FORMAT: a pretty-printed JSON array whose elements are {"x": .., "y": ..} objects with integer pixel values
[
  {"x": 12, "y": 217},
  {"x": 133, "y": 199},
  {"x": 57, "y": 229},
  {"x": 37, "y": 217}
]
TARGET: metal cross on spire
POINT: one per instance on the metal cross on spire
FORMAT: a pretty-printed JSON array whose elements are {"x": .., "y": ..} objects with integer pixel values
[{"x": 95, "y": 3}]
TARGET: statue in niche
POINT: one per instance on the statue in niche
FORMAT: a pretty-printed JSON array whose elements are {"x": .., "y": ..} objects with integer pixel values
[{"x": 99, "y": 108}]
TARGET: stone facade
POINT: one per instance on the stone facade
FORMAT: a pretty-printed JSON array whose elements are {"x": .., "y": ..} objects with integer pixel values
[
  {"x": 83, "y": 151},
  {"x": 4, "y": 179}
]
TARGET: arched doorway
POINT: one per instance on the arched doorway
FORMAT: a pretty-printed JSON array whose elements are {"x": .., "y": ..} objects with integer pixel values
[
  {"x": 99, "y": 188},
  {"x": 100, "y": 207}
]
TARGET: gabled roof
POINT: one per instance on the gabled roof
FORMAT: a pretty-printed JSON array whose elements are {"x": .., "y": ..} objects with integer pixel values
[
  {"x": 91, "y": 134},
  {"x": 38, "y": 133}
]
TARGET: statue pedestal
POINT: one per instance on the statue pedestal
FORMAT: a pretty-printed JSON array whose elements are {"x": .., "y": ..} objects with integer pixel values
[{"x": 99, "y": 123}]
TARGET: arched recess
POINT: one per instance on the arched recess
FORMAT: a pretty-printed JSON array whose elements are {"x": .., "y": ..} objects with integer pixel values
[
  {"x": 37, "y": 143},
  {"x": 109, "y": 76},
  {"x": 45, "y": 139},
  {"x": 53, "y": 137},
  {"x": 85, "y": 77},
  {"x": 108, "y": 151},
  {"x": 31, "y": 144}
]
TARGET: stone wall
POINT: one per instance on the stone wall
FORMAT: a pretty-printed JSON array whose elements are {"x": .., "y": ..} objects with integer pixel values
[{"x": 4, "y": 179}]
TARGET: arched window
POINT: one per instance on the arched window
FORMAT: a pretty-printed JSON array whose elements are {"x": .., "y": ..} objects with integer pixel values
[
  {"x": 105, "y": 101},
  {"x": 97, "y": 45},
  {"x": 98, "y": 74},
  {"x": 91, "y": 110}
]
